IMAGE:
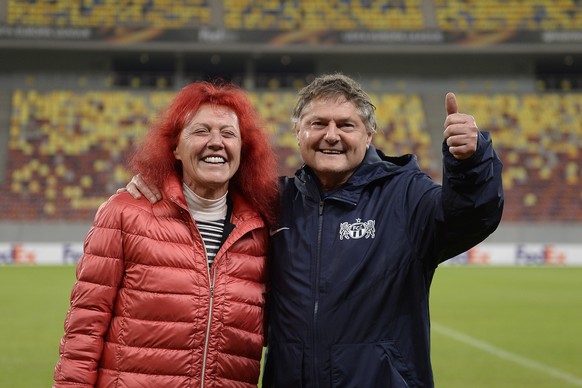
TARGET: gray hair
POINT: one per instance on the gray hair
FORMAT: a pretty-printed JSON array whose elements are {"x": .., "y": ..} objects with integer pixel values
[{"x": 336, "y": 85}]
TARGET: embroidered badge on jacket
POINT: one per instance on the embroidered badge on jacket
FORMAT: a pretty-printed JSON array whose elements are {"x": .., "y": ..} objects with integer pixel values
[{"x": 358, "y": 229}]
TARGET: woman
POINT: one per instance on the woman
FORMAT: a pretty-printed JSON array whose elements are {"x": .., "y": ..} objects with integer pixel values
[{"x": 172, "y": 294}]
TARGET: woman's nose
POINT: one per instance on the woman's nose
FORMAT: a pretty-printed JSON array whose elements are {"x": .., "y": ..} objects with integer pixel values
[{"x": 215, "y": 139}]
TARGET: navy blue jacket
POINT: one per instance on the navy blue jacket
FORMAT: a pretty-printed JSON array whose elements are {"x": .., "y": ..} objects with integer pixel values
[{"x": 351, "y": 270}]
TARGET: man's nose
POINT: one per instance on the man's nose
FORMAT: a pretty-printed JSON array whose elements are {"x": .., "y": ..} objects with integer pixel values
[{"x": 332, "y": 133}]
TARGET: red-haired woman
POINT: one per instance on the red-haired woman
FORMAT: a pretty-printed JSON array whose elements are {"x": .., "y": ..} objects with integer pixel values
[{"x": 173, "y": 294}]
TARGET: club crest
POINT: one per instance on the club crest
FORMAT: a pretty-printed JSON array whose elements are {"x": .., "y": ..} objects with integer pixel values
[{"x": 358, "y": 229}]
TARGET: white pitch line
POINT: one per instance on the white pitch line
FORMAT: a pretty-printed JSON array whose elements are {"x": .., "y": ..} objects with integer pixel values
[{"x": 526, "y": 362}]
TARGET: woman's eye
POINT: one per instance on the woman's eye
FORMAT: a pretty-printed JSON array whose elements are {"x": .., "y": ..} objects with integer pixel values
[{"x": 200, "y": 131}]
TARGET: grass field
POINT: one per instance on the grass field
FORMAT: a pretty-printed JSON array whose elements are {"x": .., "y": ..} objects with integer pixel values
[{"x": 492, "y": 327}]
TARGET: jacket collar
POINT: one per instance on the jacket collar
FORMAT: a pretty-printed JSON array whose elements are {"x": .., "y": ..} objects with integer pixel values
[
  {"x": 374, "y": 167},
  {"x": 241, "y": 209},
  {"x": 172, "y": 189}
]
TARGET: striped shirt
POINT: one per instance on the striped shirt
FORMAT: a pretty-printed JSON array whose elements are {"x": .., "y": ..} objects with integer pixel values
[
  {"x": 211, "y": 232},
  {"x": 209, "y": 215}
]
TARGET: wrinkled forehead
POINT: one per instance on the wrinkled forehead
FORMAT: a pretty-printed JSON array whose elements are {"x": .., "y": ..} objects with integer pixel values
[
  {"x": 336, "y": 98},
  {"x": 212, "y": 113}
]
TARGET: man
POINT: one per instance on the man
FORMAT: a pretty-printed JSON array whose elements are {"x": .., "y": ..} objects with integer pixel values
[{"x": 359, "y": 238}]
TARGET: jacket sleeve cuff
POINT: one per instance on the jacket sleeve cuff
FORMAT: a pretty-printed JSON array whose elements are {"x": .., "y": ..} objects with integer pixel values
[{"x": 473, "y": 169}]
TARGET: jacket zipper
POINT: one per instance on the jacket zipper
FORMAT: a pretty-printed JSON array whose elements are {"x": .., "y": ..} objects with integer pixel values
[
  {"x": 207, "y": 339},
  {"x": 316, "y": 299},
  {"x": 211, "y": 282}
]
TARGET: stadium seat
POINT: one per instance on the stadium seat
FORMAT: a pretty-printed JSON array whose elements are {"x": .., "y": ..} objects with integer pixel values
[{"x": 157, "y": 14}]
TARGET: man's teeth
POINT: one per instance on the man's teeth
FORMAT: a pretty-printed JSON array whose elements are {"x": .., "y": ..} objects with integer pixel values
[
  {"x": 214, "y": 159},
  {"x": 330, "y": 152}
]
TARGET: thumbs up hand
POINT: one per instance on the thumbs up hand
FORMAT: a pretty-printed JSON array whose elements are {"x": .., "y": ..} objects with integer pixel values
[{"x": 461, "y": 132}]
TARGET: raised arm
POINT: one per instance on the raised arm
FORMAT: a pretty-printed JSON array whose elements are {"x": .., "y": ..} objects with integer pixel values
[
  {"x": 454, "y": 217},
  {"x": 472, "y": 194}
]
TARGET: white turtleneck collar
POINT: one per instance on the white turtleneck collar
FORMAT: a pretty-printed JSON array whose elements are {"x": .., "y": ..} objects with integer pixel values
[{"x": 203, "y": 209}]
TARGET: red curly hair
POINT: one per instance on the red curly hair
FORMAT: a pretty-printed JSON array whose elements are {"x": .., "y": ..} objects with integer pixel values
[{"x": 256, "y": 178}]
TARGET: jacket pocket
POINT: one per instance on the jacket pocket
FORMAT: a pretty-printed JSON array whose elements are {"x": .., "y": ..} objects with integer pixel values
[
  {"x": 374, "y": 365},
  {"x": 284, "y": 366}
]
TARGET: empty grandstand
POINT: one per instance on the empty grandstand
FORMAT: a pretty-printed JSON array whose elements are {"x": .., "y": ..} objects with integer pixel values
[{"x": 80, "y": 81}]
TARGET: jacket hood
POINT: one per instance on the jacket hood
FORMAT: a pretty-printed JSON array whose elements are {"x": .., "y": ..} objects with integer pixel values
[
  {"x": 242, "y": 209},
  {"x": 375, "y": 166}
]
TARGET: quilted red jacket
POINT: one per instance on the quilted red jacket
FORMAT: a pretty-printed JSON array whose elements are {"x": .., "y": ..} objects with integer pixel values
[{"x": 147, "y": 312}]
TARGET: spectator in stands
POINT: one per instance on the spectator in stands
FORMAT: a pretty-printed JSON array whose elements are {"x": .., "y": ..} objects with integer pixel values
[
  {"x": 359, "y": 237},
  {"x": 173, "y": 294}
]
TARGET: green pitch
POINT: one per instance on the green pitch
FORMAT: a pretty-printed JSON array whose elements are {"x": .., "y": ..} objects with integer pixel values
[
  {"x": 507, "y": 327},
  {"x": 34, "y": 301},
  {"x": 492, "y": 327}
]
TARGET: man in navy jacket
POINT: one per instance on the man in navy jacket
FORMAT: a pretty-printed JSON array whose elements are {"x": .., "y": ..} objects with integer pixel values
[{"x": 359, "y": 238}]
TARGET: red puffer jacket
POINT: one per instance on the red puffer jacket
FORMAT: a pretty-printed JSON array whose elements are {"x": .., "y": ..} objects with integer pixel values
[{"x": 147, "y": 312}]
